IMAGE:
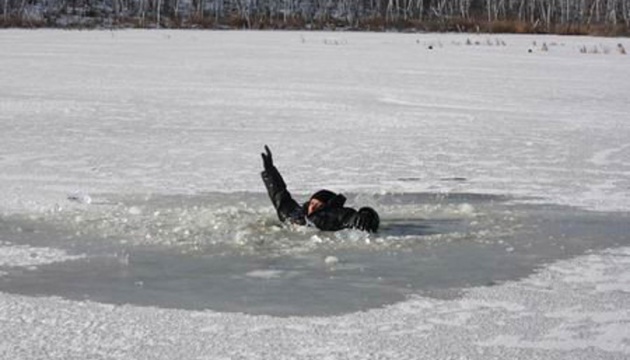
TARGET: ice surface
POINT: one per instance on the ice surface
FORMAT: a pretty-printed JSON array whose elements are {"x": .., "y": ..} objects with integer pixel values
[
  {"x": 107, "y": 116},
  {"x": 186, "y": 112}
]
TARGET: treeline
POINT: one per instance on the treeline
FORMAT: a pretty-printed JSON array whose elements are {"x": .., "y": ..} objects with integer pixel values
[{"x": 610, "y": 17}]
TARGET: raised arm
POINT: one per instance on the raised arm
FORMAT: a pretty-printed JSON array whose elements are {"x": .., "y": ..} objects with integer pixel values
[{"x": 286, "y": 207}]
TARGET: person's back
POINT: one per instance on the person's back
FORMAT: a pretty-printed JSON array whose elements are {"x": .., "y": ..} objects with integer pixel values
[{"x": 325, "y": 210}]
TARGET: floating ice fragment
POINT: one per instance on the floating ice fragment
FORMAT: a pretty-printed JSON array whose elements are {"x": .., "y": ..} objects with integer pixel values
[
  {"x": 134, "y": 210},
  {"x": 331, "y": 260},
  {"x": 80, "y": 197},
  {"x": 265, "y": 273},
  {"x": 466, "y": 209},
  {"x": 123, "y": 258}
]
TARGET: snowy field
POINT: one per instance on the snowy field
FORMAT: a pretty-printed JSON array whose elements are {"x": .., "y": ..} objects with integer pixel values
[{"x": 500, "y": 165}]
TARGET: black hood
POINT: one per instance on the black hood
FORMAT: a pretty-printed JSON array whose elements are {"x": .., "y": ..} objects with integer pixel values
[{"x": 324, "y": 196}]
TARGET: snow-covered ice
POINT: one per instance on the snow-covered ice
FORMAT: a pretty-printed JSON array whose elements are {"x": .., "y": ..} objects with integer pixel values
[
  {"x": 118, "y": 141},
  {"x": 185, "y": 111},
  {"x": 552, "y": 315}
]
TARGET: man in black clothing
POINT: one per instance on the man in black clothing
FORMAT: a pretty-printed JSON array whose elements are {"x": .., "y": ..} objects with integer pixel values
[{"x": 324, "y": 210}]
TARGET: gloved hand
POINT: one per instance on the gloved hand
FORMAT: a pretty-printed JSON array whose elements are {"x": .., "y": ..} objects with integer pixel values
[
  {"x": 367, "y": 220},
  {"x": 267, "y": 160}
]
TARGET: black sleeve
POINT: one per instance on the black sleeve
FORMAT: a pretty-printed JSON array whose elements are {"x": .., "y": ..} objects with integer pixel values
[
  {"x": 334, "y": 218},
  {"x": 286, "y": 207},
  {"x": 337, "y": 218}
]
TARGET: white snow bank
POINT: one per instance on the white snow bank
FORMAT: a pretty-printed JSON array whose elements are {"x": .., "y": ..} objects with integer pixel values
[{"x": 559, "y": 313}]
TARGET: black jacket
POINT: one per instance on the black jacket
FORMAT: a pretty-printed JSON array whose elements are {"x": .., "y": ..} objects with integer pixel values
[{"x": 332, "y": 216}]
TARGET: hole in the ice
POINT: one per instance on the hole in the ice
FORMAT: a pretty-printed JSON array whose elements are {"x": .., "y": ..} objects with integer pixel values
[{"x": 227, "y": 252}]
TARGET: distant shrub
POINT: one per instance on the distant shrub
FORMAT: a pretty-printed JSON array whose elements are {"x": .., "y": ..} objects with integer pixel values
[
  {"x": 22, "y": 22},
  {"x": 571, "y": 29}
]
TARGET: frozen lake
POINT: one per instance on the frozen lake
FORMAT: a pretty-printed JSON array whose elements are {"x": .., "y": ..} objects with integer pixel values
[{"x": 130, "y": 172}]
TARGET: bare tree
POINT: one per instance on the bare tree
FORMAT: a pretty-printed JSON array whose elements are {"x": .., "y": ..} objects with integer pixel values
[{"x": 390, "y": 13}]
